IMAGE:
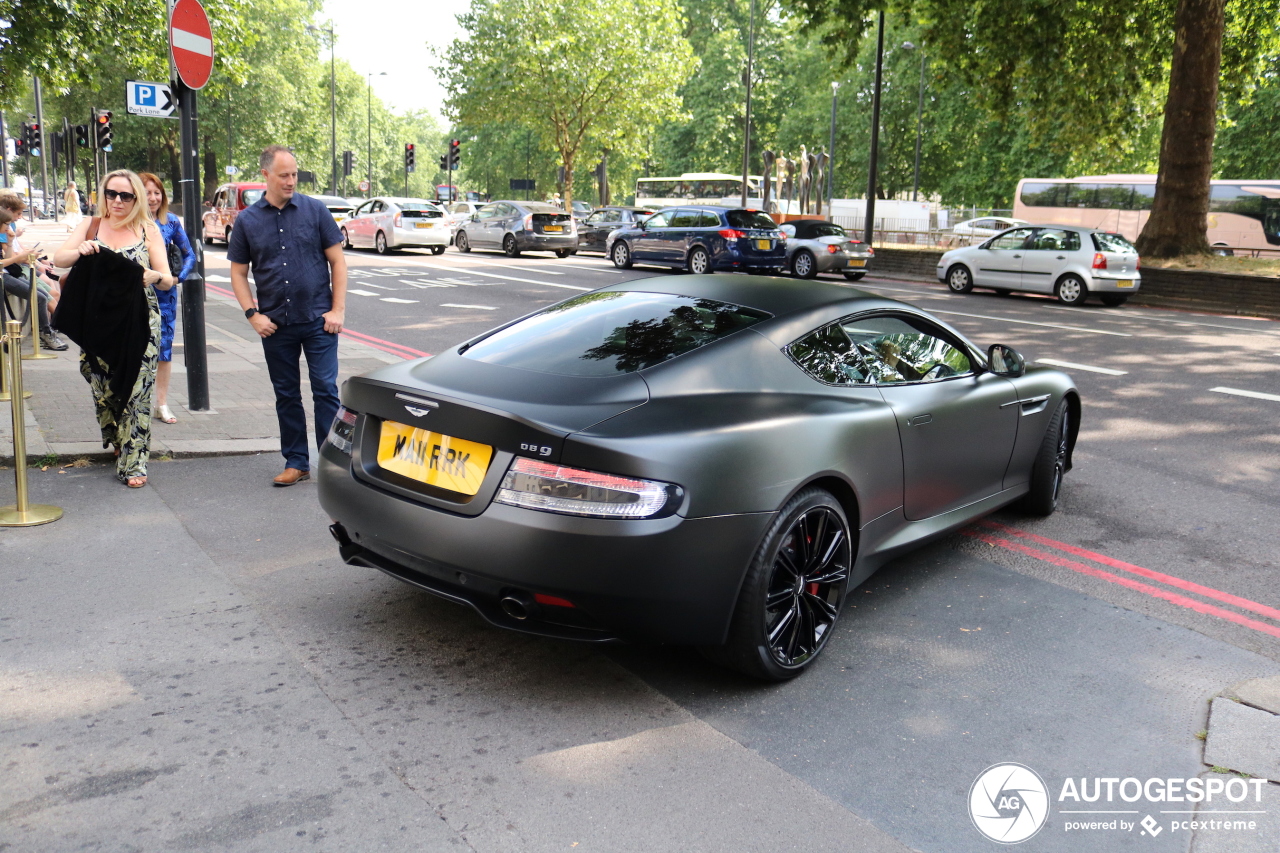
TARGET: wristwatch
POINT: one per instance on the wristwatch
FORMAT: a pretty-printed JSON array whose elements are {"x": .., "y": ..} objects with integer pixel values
[{"x": 249, "y": 312}]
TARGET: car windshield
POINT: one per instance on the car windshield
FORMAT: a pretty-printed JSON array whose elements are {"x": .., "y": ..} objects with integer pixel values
[
  {"x": 416, "y": 205},
  {"x": 251, "y": 196},
  {"x": 750, "y": 219},
  {"x": 613, "y": 332},
  {"x": 827, "y": 229},
  {"x": 1113, "y": 243}
]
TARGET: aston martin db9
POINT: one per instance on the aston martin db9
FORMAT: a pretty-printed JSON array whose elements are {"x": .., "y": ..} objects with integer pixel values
[{"x": 706, "y": 460}]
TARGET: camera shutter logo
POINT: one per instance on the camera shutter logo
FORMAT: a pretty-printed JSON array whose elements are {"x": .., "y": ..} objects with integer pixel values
[{"x": 1008, "y": 803}]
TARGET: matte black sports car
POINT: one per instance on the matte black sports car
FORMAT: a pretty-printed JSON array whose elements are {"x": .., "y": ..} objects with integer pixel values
[{"x": 705, "y": 460}]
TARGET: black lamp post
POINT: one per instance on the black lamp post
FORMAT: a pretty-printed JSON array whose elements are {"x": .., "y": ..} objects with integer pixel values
[
  {"x": 870, "y": 211},
  {"x": 746, "y": 128}
]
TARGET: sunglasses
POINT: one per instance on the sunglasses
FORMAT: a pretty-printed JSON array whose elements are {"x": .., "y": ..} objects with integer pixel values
[{"x": 112, "y": 195}]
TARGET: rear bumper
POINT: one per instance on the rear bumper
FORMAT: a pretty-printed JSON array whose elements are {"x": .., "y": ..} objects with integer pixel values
[
  {"x": 1114, "y": 283},
  {"x": 670, "y": 580},
  {"x": 530, "y": 241},
  {"x": 437, "y": 236}
]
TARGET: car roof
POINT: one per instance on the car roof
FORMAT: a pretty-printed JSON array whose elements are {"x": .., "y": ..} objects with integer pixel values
[
  {"x": 804, "y": 227},
  {"x": 776, "y": 296},
  {"x": 330, "y": 199},
  {"x": 402, "y": 199}
]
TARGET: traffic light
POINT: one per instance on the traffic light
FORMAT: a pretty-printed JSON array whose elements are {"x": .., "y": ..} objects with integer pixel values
[
  {"x": 408, "y": 157},
  {"x": 348, "y": 163},
  {"x": 82, "y": 135},
  {"x": 444, "y": 162},
  {"x": 20, "y": 141},
  {"x": 454, "y": 155},
  {"x": 34, "y": 139},
  {"x": 104, "y": 129},
  {"x": 56, "y": 147}
]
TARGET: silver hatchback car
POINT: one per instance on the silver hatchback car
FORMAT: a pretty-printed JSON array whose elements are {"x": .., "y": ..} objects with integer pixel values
[{"x": 1069, "y": 263}]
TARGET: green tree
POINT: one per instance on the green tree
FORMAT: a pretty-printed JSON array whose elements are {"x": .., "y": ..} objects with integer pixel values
[{"x": 569, "y": 70}]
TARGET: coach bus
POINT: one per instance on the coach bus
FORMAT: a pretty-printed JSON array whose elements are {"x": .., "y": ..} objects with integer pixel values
[
  {"x": 696, "y": 188},
  {"x": 1243, "y": 215}
]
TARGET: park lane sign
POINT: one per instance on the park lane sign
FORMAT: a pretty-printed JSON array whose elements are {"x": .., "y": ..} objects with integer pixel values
[{"x": 149, "y": 99}]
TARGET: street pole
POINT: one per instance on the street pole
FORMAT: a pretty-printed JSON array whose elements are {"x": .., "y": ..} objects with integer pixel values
[
  {"x": 368, "y": 151},
  {"x": 69, "y": 149},
  {"x": 746, "y": 128},
  {"x": 831, "y": 161},
  {"x": 869, "y": 224},
  {"x": 333, "y": 115},
  {"x": 915, "y": 186},
  {"x": 4, "y": 151},
  {"x": 193, "y": 294},
  {"x": 44, "y": 160}
]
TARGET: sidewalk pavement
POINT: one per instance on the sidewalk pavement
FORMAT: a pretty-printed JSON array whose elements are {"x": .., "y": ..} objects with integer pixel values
[{"x": 60, "y": 419}]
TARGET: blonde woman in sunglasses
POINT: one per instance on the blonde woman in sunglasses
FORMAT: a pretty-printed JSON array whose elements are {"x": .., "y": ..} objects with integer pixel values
[{"x": 125, "y": 229}]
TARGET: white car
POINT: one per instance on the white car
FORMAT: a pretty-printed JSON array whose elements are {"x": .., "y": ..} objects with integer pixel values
[
  {"x": 459, "y": 212},
  {"x": 388, "y": 223},
  {"x": 986, "y": 226},
  {"x": 338, "y": 206},
  {"x": 1070, "y": 263}
]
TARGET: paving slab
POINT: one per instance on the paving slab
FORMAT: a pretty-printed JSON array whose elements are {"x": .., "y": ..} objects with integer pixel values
[
  {"x": 1243, "y": 739},
  {"x": 1261, "y": 693}
]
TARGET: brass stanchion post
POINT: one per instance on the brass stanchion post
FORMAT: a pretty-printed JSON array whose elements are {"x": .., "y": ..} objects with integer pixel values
[
  {"x": 34, "y": 296},
  {"x": 21, "y": 513},
  {"x": 4, "y": 371}
]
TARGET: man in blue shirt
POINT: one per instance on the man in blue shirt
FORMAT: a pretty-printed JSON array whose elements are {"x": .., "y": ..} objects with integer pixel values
[{"x": 296, "y": 252}]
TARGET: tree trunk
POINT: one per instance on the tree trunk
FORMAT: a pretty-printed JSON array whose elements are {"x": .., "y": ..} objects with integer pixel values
[
  {"x": 1180, "y": 210},
  {"x": 210, "y": 169}
]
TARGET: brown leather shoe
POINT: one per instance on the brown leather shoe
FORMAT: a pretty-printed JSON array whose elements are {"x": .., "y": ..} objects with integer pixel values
[{"x": 290, "y": 476}]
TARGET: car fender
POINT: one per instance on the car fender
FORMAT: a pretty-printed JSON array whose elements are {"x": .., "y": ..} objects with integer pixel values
[{"x": 1055, "y": 386}]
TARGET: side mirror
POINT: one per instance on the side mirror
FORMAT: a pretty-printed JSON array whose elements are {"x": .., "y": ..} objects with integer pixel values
[
  {"x": 1006, "y": 361},
  {"x": 475, "y": 217}
]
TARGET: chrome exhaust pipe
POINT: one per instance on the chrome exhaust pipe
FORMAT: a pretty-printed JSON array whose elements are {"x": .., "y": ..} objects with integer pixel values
[{"x": 519, "y": 607}]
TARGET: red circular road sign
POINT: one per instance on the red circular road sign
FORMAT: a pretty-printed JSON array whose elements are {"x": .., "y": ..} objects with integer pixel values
[{"x": 191, "y": 43}]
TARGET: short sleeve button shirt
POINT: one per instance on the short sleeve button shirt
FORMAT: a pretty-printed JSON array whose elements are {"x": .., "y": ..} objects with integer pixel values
[{"x": 285, "y": 247}]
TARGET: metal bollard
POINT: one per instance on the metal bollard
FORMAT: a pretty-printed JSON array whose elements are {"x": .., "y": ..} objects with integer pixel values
[
  {"x": 22, "y": 513},
  {"x": 4, "y": 373},
  {"x": 33, "y": 313}
]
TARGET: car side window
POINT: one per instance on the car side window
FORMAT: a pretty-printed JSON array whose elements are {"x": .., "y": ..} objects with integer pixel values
[
  {"x": 788, "y": 229},
  {"x": 1012, "y": 240},
  {"x": 1056, "y": 240},
  {"x": 487, "y": 212},
  {"x": 828, "y": 355},
  {"x": 377, "y": 207},
  {"x": 685, "y": 219},
  {"x": 707, "y": 219},
  {"x": 609, "y": 215},
  {"x": 899, "y": 349},
  {"x": 658, "y": 220}
]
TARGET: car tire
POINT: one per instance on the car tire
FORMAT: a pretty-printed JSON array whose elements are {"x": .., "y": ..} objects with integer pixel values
[
  {"x": 784, "y": 618},
  {"x": 510, "y": 247},
  {"x": 204, "y": 236},
  {"x": 380, "y": 244},
  {"x": 1049, "y": 466},
  {"x": 227, "y": 238},
  {"x": 563, "y": 253},
  {"x": 346, "y": 239},
  {"x": 437, "y": 250},
  {"x": 1071, "y": 290},
  {"x": 699, "y": 261},
  {"x": 461, "y": 242},
  {"x": 804, "y": 265},
  {"x": 854, "y": 276},
  {"x": 621, "y": 255},
  {"x": 1114, "y": 300},
  {"x": 1003, "y": 291},
  {"x": 959, "y": 279}
]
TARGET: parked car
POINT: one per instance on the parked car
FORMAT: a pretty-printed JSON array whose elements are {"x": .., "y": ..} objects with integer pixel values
[
  {"x": 388, "y": 223},
  {"x": 581, "y": 209},
  {"x": 711, "y": 461},
  {"x": 701, "y": 240},
  {"x": 519, "y": 226},
  {"x": 986, "y": 226},
  {"x": 815, "y": 246},
  {"x": 458, "y": 212},
  {"x": 228, "y": 201},
  {"x": 595, "y": 229},
  {"x": 338, "y": 206},
  {"x": 1070, "y": 263}
]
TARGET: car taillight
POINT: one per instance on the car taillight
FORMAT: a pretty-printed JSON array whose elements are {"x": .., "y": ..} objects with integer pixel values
[
  {"x": 545, "y": 486},
  {"x": 1137, "y": 263},
  {"x": 528, "y": 222},
  {"x": 343, "y": 430},
  {"x": 1099, "y": 261},
  {"x": 731, "y": 234},
  {"x": 832, "y": 248},
  {"x": 398, "y": 220}
]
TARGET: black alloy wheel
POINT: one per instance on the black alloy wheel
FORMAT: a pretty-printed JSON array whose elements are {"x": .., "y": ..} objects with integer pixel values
[
  {"x": 346, "y": 239},
  {"x": 1050, "y": 465},
  {"x": 803, "y": 265},
  {"x": 699, "y": 261},
  {"x": 380, "y": 243},
  {"x": 1070, "y": 290},
  {"x": 959, "y": 279},
  {"x": 854, "y": 276},
  {"x": 621, "y": 255},
  {"x": 794, "y": 590},
  {"x": 1114, "y": 300},
  {"x": 437, "y": 250},
  {"x": 510, "y": 247},
  {"x": 460, "y": 240}
]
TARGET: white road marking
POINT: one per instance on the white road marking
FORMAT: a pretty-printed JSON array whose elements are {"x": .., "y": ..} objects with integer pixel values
[
  {"x": 455, "y": 305},
  {"x": 216, "y": 278},
  {"x": 362, "y": 292},
  {"x": 1073, "y": 366},
  {"x": 524, "y": 280},
  {"x": 425, "y": 284},
  {"x": 1031, "y": 323},
  {"x": 399, "y": 301},
  {"x": 379, "y": 286},
  {"x": 1256, "y": 395},
  {"x": 506, "y": 266}
]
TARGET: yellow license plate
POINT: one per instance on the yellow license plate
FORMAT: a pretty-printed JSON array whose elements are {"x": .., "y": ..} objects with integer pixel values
[
  {"x": 424, "y": 225},
  {"x": 1128, "y": 282},
  {"x": 857, "y": 262},
  {"x": 553, "y": 228},
  {"x": 429, "y": 457},
  {"x": 764, "y": 245}
]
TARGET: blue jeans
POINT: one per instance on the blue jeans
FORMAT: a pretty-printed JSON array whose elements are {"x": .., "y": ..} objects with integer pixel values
[{"x": 282, "y": 349}]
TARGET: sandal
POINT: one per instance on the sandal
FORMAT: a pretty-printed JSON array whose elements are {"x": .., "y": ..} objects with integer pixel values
[
  {"x": 136, "y": 482},
  {"x": 165, "y": 415}
]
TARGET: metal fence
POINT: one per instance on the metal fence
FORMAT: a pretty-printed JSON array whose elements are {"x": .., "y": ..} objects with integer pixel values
[{"x": 916, "y": 233}]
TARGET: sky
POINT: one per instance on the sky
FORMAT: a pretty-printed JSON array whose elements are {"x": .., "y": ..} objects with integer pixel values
[{"x": 393, "y": 36}]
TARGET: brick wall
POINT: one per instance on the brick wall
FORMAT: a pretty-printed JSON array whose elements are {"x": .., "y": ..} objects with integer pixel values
[{"x": 1251, "y": 295}]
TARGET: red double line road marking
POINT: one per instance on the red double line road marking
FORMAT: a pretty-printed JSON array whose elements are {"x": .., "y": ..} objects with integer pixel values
[
  {"x": 1172, "y": 597},
  {"x": 368, "y": 340}
]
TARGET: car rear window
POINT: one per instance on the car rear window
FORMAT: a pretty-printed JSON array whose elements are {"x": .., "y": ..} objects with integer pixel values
[
  {"x": 1113, "y": 243},
  {"x": 248, "y": 197},
  {"x": 612, "y": 332},
  {"x": 826, "y": 229},
  {"x": 750, "y": 219}
]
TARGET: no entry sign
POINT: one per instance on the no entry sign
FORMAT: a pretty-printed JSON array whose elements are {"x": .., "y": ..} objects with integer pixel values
[{"x": 191, "y": 43}]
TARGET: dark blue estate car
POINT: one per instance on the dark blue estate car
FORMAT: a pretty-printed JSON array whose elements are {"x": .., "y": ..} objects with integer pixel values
[{"x": 701, "y": 239}]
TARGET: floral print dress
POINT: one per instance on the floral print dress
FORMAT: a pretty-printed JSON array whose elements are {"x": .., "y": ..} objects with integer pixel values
[{"x": 130, "y": 432}]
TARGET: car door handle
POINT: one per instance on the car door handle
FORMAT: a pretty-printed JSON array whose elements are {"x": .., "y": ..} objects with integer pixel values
[
  {"x": 1017, "y": 256},
  {"x": 920, "y": 420},
  {"x": 1062, "y": 257}
]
